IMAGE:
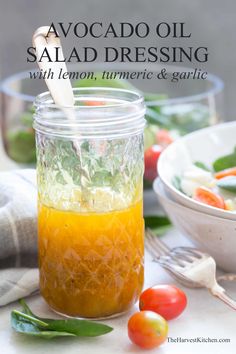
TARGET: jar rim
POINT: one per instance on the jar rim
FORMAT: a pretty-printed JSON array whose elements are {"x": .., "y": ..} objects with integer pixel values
[
  {"x": 42, "y": 98},
  {"x": 120, "y": 113}
]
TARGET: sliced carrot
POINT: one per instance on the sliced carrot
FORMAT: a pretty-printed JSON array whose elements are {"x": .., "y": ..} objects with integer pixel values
[
  {"x": 207, "y": 196},
  {"x": 226, "y": 173}
]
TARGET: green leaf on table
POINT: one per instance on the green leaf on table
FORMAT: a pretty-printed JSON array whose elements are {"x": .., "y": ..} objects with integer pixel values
[
  {"x": 202, "y": 165},
  {"x": 161, "y": 230},
  {"x": 29, "y": 318},
  {"x": 157, "y": 223},
  {"x": 21, "y": 325},
  {"x": 77, "y": 327},
  {"x": 81, "y": 328},
  {"x": 26, "y": 308},
  {"x": 225, "y": 162},
  {"x": 228, "y": 183},
  {"x": 27, "y": 322}
]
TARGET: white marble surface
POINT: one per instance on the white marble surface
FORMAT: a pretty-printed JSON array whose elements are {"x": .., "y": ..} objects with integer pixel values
[{"x": 205, "y": 317}]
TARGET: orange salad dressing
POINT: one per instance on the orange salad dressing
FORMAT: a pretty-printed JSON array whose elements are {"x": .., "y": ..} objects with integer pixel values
[{"x": 91, "y": 264}]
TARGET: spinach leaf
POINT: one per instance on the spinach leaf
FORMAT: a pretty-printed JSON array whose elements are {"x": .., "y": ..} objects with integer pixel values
[
  {"x": 28, "y": 323},
  {"x": 202, "y": 166},
  {"x": 81, "y": 328},
  {"x": 176, "y": 181},
  {"x": 225, "y": 162},
  {"x": 228, "y": 183},
  {"x": 30, "y": 319},
  {"x": 21, "y": 325},
  {"x": 26, "y": 308},
  {"x": 154, "y": 117},
  {"x": 157, "y": 222},
  {"x": 161, "y": 230}
]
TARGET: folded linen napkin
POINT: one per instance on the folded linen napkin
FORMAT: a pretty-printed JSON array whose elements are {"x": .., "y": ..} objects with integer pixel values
[{"x": 18, "y": 235}]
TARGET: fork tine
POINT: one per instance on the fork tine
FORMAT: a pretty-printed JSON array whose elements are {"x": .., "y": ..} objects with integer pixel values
[
  {"x": 169, "y": 261},
  {"x": 165, "y": 258},
  {"x": 157, "y": 248},
  {"x": 150, "y": 250},
  {"x": 152, "y": 247},
  {"x": 190, "y": 251},
  {"x": 161, "y": 244},
  {"x": 173, "y": 264},
  {"x": 184, "y": 255},
  {"x": 158, "y": 245},
  {"x": 179, "y": 276}
]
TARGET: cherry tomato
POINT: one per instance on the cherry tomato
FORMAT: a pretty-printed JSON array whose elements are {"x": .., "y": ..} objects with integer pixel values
[
  {"x": 94, "y": 103},
  {"x": 147, "y": 329},
  {"x": 206, "y": 196},
  {"x": 151, "y": 157},
  {"x": 164, "y": 138},
  {"x": 166, "y": 300},
  {"x": 226, "y": 173}
]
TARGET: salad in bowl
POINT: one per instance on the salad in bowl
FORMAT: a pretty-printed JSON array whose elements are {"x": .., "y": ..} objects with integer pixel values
[
  {"x": 199, "y": 170},
  {"x": 213, "y": 185}
]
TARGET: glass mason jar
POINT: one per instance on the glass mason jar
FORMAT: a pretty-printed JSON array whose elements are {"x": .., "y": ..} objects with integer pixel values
[{"x": 90, "y": 212}]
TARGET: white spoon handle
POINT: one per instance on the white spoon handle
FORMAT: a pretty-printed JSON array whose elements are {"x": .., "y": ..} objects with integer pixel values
[{"x": 60, "y": 89}]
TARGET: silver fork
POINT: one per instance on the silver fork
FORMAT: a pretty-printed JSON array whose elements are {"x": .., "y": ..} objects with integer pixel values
[{"x": 190, "y": 266}]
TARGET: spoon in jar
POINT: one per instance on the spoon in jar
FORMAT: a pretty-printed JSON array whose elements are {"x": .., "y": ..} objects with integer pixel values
[{"x": 60, "y": 89}]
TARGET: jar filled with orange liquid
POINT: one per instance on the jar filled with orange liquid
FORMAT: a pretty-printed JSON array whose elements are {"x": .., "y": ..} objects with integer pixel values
[{"x": 90, "y": 209}]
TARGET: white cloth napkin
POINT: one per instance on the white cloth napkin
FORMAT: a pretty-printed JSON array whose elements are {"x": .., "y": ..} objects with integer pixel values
[{"x": 18, "y": 235}]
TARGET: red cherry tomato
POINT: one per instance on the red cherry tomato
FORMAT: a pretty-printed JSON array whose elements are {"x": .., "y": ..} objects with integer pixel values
[
  {"x": 226, "y": 173},
  {"x": 147, "y": 329},
  {"x": 94, "y": 103},
  {"x": 166, "y": 300},
  {"x": 164, "y": 138},
  {"x": 151, "y": 157},
  {"x": 206, "y": 196}
]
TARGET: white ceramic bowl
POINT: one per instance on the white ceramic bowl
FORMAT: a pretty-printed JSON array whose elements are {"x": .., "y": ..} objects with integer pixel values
[
  {"x": 205, "y": 145},
  {"x": 212, "y": 234}
]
